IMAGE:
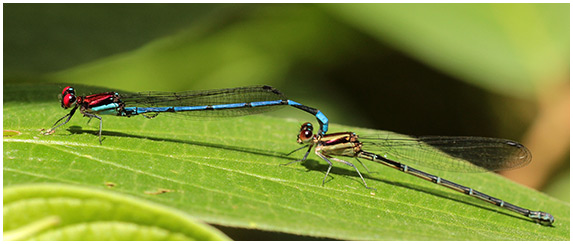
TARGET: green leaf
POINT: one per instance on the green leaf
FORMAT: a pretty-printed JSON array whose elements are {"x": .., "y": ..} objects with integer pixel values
[
  {"x": 228, "y": 172},
  {"x": 64, "y": 212}
]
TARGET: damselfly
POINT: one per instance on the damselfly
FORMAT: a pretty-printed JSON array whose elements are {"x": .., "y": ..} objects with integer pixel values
[
  {"x": 470, "y": 154},
  {"x": 209, "y": 103}
]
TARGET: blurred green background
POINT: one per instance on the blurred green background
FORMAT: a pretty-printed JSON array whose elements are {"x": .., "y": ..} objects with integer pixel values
[{"x": 498, "y": 70}]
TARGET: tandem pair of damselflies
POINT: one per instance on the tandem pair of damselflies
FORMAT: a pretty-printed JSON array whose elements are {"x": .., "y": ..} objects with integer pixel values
[
  {"x": 472, "y": 154},
  {"x": 210, "y": 103}
]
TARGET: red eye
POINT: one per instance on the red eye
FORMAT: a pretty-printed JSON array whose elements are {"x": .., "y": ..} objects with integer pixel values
[
  {"x": 68, "y": 100},
  {"x": 68, "y": 90}
]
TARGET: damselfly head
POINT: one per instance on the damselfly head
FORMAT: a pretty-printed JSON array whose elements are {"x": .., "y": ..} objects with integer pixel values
[
  {"x": 306, "y": 134},
  {"x": 69, "y": 90},
  {"x": 68, "y": 97}
]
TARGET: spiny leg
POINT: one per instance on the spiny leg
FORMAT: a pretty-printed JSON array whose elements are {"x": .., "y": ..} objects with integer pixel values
[
  {"x": 363, "y": 165},
  {"x": 69, "y": 116},
  {"x": 100, "y": 123},
  {"x": 296, "y": 150},
  {"x": 300, "y": 160},
  {"x": 329, "y": 166},
  {"x": 350, "y": 164}
]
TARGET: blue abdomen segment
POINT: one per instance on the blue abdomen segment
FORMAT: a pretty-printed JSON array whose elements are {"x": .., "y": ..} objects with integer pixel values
[
  {"x": 238, "y": 106},
  {"x": 322, "y": 120},
  {"x": 108, "y": 109},
  {"x": 231, "y": 109},
  {"x": 139, "y": 110}
]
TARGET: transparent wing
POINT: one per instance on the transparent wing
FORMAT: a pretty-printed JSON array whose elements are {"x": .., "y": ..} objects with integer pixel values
[
  {"x": 208, "y": 97},
  {"x": 459, "y": 154}
]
